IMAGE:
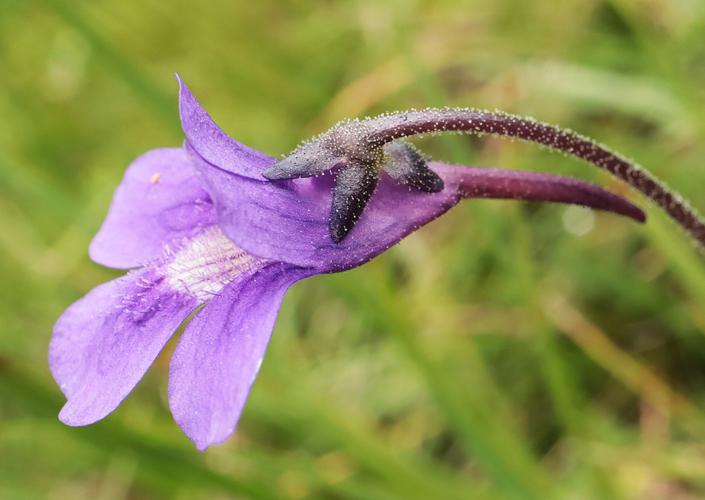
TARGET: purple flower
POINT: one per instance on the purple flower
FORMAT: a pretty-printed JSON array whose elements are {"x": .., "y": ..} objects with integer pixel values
[{"x": 201, "y": 226}]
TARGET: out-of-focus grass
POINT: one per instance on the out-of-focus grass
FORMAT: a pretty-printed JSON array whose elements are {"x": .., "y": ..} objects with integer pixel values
[{"x": 506, "y": 351}]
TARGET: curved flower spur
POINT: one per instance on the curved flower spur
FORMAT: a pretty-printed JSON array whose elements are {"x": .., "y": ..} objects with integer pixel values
[{"x": 201, "y": 225}]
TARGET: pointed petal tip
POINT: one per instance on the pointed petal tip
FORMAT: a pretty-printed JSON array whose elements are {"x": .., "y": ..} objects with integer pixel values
[
  {"x": 69, "y": 416},
  {"x": 199, "y": 442},
  {"x": 203, "y": 443},
  {"x": 183, "y": 88},
  {"x": 203, "y": 437},
  {"x": 184, "y": 91}
]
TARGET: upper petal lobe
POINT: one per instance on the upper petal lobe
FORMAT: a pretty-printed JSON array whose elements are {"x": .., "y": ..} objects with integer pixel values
[
  {"x": 215, "y": 145},
  {"x": 160, "y": 202}
]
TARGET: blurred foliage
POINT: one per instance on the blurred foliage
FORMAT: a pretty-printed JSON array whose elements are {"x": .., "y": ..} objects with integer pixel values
[{"x": 506, "y": 351}]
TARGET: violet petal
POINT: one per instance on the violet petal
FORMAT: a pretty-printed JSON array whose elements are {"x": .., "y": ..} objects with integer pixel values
[
  {"x": 214, "y": 145},
  {"x": 159, "y": 202},
  {"x": 220, "y": 352},
  {"x": 103, "y": 344}
]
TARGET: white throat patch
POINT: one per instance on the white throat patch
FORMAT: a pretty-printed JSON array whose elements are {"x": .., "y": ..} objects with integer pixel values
[{"x": 204, "y": 265}]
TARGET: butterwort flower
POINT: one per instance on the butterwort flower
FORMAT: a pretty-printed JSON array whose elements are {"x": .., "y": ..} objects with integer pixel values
[{"x": 210, "y": 241}]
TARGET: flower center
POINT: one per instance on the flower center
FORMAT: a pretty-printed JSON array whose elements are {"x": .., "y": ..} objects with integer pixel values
[{"x": 207, "y": 263}]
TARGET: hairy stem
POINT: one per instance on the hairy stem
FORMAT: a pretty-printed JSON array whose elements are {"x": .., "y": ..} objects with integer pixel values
[{"x": 387, "y": 128}]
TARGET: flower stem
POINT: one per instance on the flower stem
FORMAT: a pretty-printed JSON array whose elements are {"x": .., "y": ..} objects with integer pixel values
[{"x": 386, "y": 128}]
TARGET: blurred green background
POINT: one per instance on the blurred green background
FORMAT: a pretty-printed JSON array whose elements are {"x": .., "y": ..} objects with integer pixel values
[{"x": 506, "y": 351}]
